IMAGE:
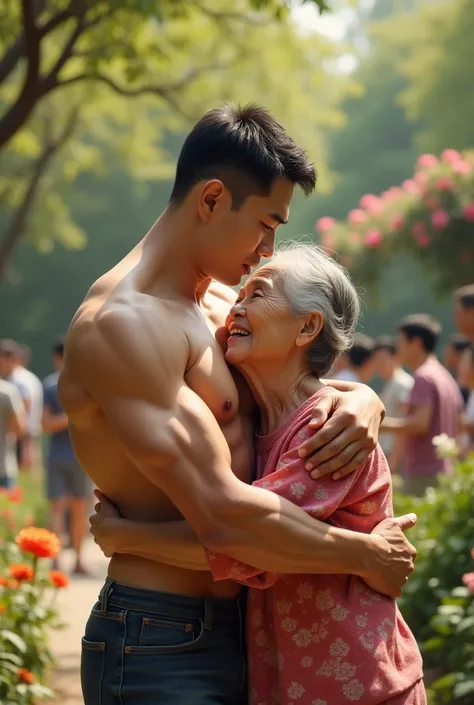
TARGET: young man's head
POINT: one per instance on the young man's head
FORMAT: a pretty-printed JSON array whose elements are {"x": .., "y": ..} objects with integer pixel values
[
  {"x": 386, "y": 358},
  {"x": 361, "y": 357},
  {"x": 236, "y": 175},
  {"x": 453, "y": 351},
  {"x": 466, "y": 368},
  {"x": 418, "y": 336},
  {"x": 464, "y": 311},
  {"x": 10, "y": 354},
  {"x": 58, "y": 353}
]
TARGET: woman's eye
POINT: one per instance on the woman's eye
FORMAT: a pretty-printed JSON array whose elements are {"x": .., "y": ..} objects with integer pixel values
[{"x": 257, "y": 295}]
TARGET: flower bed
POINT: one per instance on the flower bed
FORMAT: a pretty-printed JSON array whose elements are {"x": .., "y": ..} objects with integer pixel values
[
  {"x": 430, "y": 217},
  {"x": 27, "y": 602}
]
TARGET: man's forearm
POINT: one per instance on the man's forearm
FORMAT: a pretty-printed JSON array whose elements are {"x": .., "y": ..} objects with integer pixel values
[
  {"x": 173, "y": 543},
  {"x": 403, "y": 427},
  {"x": 344, "y": 386}
]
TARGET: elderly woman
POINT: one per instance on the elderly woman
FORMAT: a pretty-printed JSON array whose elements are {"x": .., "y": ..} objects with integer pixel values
[{"x": 312, "y": 640}]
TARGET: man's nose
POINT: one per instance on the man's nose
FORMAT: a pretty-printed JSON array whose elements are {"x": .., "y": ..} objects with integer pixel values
[{"x": 267, "y": 246}]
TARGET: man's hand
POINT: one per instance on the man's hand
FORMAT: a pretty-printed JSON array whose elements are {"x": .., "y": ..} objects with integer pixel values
[
  {"x": 102, "y": 524},
  {"x": 347, "y": 428},
  {"x": 396, "y": 558}
]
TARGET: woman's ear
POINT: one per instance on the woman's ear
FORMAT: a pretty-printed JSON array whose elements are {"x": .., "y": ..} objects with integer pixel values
[{"x": 311, "y": 328}]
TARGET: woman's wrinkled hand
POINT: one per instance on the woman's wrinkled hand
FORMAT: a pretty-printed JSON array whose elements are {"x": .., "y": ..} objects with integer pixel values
[{"x": 102, "y": 524}]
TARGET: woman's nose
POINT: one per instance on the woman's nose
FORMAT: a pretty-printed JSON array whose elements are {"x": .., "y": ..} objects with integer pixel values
[{"x": 237, "y": 310}]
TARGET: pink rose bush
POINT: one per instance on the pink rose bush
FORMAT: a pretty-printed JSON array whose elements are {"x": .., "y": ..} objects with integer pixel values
[{"x": 429, "y": 217}]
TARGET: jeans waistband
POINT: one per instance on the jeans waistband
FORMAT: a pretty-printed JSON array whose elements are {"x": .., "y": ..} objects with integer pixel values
[{"x": 155, "y": 602}]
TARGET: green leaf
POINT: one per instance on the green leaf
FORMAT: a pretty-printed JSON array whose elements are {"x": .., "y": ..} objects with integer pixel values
[
  {"x": 14, "y": 639},
  {"x": 464, "y": 688}
]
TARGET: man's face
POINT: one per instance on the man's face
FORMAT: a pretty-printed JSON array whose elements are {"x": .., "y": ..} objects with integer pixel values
[
  {"x": 464, "y": 320},
  {"x": 384, "y": 363},
  {"x": 232, "y": 242},
  {"x": 407, "y": 349}
]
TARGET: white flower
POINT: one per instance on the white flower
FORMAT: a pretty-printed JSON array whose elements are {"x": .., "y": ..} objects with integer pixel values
[
  {"x": 361, "y": 620},
  {"x": 446, "y": 447},
  {"x": 324, "y": 600},
  {"x": 321, "y": 493},
  {"x": 319, "y": 702},
  {"x": 325, "y": 669},
  {"x": 303, "y": 638},
  {"x": 288, "y": 624},
  {"x": 283, "y": 606},
  {"x": 305, "y": 591},
  {"x": 298, "y": 489},
  {"x": 353, "y": 690},
  {"x": 262, "y": 639},
  {"x": 339, "y": 613},
  {"x": 344, "y": 671},
  {"x": 367, "y": 641},
  {"x": 270, "y": 657},
  {"x": 306, "y": 661},
  {"x": 295, "y": 691},
  {"x": 339, "y": 648}
]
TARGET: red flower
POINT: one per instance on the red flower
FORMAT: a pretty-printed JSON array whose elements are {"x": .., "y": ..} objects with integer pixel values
[
  {"x": 356, "y": 216},
  {"x": 15, "y": 494},
  {"x": 58, "y": 578},
  {"x": 444, "y": 183},
  {"x": 40, "y": 542},
  {"x": 397, "y": 222},
  {"x": 451, "y": 156},
  {"x": 21, "y": 571},
  {"x": 371, "y": 203},
  {"x": 373, "y": 237},
  {"x": 423, "y": 240},
  {"x": 26, "y": 676}
]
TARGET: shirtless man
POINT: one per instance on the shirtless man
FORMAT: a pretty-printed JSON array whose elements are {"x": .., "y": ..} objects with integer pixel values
[{"x": 158, "y": 420}]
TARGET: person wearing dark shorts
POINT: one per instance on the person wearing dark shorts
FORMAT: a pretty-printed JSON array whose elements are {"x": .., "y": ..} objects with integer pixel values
[{"x": 67, "y": 486}]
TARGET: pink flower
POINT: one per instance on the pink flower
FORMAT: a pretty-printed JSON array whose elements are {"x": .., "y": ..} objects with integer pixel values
[
  {"x": 439, "y": 219},
  {"x": 371, "y": 203},
  {"x": 469, "y": 215},
  {"x": 373, "y": 237},
  {"x": 426, "y": 161},
  {"x": 410, "y": 186},
  {"x": 325, "y": 223},
  {"x": 397, "y": 222},
  {"x": 423, "y": 240},
  {"x": 393, "y": 193},
  {"x": 356, "y": 216},
  {"x": 444, "y": 183},
  {"x": 462, "y": 167},
  {"x": 419, "y": 228},
  {"x": 451, "y": 156},
  {"x": 468, "y": 580}
]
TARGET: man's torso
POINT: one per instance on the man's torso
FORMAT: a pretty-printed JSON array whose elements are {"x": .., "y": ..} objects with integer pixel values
[
  {"x": 100, "y": 452},
  {"x": 421, "y": 458}
]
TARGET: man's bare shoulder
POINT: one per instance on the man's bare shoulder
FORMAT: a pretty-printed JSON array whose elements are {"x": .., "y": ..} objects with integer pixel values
[{"x": 223, "y": 292}]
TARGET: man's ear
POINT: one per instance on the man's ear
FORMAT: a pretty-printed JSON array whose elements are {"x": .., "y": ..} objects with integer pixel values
[
  {"x": 212, "y": 193},
  {"x": 310, "y": 329}
]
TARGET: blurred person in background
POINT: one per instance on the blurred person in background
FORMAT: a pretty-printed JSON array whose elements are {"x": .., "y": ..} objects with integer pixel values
[
  {"x": 359, "y": 361},
  {"x": 31, "y": 445},
  {"x": 67, "y": 486},
  {"x": 13, "y": 424},
  {"x": 395, "y": 394},
  {"x": 434, "y": 405},
  {"x": 464, "y": 311},
  {"x": 10, "y": 356},
  {"x": 453, "y": 352},
  {"x": 466, "y": 378}
]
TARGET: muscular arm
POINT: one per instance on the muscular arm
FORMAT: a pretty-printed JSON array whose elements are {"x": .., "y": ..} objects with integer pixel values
[
  {"x": 135, "y": 370},
  {"x": 417, "y": 423}
]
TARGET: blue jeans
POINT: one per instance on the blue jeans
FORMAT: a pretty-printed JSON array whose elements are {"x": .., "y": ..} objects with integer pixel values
[
  {"x": 143, "y": 647},
  {"x": 8, "y": 483}
]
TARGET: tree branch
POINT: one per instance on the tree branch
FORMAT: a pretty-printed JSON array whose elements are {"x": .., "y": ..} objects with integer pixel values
[
  {"x": 19, "y": 220},
  {"x": 16, "y": 50},
  {"x": 19, "y": 112}
]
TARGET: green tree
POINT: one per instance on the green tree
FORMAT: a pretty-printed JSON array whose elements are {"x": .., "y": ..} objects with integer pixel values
[{"x": 199, "y": 53}]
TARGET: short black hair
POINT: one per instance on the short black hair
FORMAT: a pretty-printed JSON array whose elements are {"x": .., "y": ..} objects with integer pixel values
[
  {"x": 58, "y": 346},
  {"x": 465, "y": 296},
  {"x": 459, "y": 342},
  {"x": 387, "y": 343},
  {"x": 422, "y": 326},
  {"x": 9, "y": 348},
  {"x": 362, "y": 350},
  {"x": 244, "y": 147}
]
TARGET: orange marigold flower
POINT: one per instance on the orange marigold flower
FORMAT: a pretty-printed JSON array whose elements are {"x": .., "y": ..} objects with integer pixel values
[
  {"x": 13, "y": 584},
  {"x": 26, "y": 676},
  {"x": 21, "y": 571},
  {"x": 3, "y": 609},
  {"x": 40, "y": 542},
  {"x": 4, "y": 582},
  {"x": 58, "y": 578},
  {"x": 15, "y": 494}
]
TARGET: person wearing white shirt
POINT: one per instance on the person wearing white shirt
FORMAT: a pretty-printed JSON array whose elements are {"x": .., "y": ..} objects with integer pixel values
[
  {"x": 32, "y": 444},
  {"x": 395, "y": 394}
]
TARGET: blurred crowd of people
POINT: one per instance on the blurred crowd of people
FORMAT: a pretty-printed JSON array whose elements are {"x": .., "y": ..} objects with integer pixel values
[
  {"x": 30, "y": 409},
  {"x": 425, "y": 396}
]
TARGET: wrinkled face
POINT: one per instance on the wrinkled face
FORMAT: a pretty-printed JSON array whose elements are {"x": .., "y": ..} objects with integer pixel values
[
  {"x": 464, "y": 320},
  {"x": 261, "y": 327},
  {"x": 231, "y": 242},
  {"x": 466, "y": 370},
  {"x": 383, "y": 363}
]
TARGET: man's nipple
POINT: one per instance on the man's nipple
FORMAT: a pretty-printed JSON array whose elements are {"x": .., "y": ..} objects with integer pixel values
[{"x": 227, "y": 405}]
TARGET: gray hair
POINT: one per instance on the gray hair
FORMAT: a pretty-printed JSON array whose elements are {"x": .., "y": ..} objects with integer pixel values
[{"x": 313, "y": 281}]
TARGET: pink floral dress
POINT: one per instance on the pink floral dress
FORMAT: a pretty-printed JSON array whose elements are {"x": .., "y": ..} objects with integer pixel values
[{"x": 324, "y": 639}]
